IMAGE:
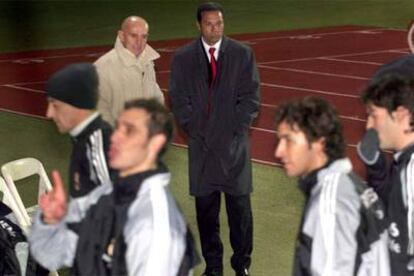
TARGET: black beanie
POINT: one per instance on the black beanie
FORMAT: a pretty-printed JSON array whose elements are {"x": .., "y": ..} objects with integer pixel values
[{"x": 75, "y": 84}]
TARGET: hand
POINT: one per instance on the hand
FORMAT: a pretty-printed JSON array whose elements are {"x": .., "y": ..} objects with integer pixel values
[
  {"x": 368, "y": 148},
  {"x": 53, "y": 204}
]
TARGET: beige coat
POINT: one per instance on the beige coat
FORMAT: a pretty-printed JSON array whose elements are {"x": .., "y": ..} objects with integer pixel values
[{"x": 123, "y": 77}]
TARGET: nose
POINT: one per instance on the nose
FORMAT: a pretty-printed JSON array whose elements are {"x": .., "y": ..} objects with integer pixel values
[
  {"x": 116, "y": 134},
  {"x": 49, "y": 111},
  {"x": 279, "y": 150},
  {"x": 370, "y": 123}
]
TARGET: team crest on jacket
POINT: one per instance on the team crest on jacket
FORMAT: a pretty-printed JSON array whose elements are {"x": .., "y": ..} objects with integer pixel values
[
  {"x": 76, "y": 181},
  {"x": 368, "y": 197}
]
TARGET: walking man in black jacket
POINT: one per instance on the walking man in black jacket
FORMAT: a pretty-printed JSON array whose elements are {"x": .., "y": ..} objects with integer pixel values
[
  {"x": 73, "y": 93},
  {"x": 389, "y": 100},
  {"x": 343, "y": 226}
]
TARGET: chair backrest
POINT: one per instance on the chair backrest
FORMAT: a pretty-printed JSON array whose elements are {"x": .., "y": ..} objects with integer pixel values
[
  {"x": 20, "y": 169},
  {"x": 10, "y": 201},
  {"x": 17, "y": 170}
]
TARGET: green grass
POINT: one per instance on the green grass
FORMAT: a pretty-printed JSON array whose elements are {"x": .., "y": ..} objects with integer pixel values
[
  {"x": 276, "y": 206},
  {"x": 59, "y": 24}
]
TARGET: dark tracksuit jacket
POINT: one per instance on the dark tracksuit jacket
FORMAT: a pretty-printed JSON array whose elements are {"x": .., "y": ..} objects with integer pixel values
[
  {"x": 88, "y": 163},
  {"x": 132, "y": 227},
  {"x": 394, "y": 183},
  {"x": 343, "y": 228}
]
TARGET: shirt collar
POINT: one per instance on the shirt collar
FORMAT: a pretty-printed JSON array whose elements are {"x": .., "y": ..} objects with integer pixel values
[
  {"x": 207, "y": 47},
  {"x": 404, "y": 154},
  {"x": 80, "y": 127}
]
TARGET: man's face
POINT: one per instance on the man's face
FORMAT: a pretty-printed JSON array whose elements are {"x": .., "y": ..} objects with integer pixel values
[
  {"x": 130, "y": 143},
  {"x": 134, "y": 36},
  {"x": 211, "y": 26},
  {"x": 63, "y": 114},
  {"x": 294, "y": 151},
  {"x": 386, "y": 125}
]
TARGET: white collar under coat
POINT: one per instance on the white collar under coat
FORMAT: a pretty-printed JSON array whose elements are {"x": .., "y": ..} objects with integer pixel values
[
  {"x": 129, "y": 59},
  {"x": 207, "y": 48}
]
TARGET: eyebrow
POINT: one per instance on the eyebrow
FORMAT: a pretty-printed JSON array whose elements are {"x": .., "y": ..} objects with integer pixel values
[
  {"x": 283, "y": 136},
  {"x": 125, "y": 123}
]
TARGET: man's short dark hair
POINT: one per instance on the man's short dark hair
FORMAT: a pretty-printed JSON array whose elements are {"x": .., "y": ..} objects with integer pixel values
[
  {"x": 316, "y": 118},
  {"x": 208, "y": 6},
  {"x": 160, "y": 119},
  {"x": 391, "y": 91}
]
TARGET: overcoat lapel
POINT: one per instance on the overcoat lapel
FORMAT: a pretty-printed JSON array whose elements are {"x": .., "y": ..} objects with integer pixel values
[{"x": 202, "y": 74}]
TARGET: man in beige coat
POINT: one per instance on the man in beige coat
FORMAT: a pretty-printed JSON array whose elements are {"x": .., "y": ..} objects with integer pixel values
[{"x": 127, "y": 71}]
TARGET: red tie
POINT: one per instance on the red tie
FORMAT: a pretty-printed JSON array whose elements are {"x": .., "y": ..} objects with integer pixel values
[{"x": 213, "y": 65}]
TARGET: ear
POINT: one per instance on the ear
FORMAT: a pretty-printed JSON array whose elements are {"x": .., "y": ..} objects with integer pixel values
[
  {"x": 121, "y": 36},
  {"x": 198, "y": 26},
  {"x": 156, "y": 143},
  {"x": 319, "y": 145},
  {"x": 401, "y": 114}
]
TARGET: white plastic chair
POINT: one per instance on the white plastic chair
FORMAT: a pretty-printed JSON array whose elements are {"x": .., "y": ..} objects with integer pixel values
[
  {"x": 17, "y": 170},
  {"x": 20, "y": 169},
  {"x": 9, "y": 200}
]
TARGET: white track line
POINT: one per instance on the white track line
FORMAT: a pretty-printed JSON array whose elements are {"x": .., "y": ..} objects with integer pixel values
[
  {"x": 52, "y": 57},
  {"x": 332, "y": 56},
  {"x": 23, "y": 88},
  {"x": 26, "y": 83},
  {"x": 23, "y": 114},
  {"x": 309, "y": 90},
  {"x": 400, "y": 51},
  {"x": 312, "y": 72},
  {"x": 370, "y": 52},
  {"x": 267, "y": 162},
  {"x": 340, "y": 116},
  {"x": 263, "y": 129},
  {"x": 351, "y": 61},
  {"x": 269, "y": 105},
  {"x": 163, "y": 71},
  {"x": 352, "y": 118},
  {"x": 363, "y": 31}
]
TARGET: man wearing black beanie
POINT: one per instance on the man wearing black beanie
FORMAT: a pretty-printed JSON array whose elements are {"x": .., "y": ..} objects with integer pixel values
[{"x": 72, "y": 94}]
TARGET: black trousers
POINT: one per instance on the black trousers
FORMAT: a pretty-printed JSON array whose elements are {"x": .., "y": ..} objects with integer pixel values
[{"x": 240, "y": 220}]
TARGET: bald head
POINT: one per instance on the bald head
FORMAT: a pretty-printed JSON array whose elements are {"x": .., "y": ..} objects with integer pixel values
[
  {"x": 133, "y": 20},
  {"x": 134, "y": 34}
]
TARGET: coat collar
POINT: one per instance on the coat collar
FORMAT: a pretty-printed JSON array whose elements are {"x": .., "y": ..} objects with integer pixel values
[
  {"x": 127, "y": 188},
  {"x": 307, "y": 183},
  {"x": 404, "y": 155},
  {"x": 84, "y": 124},
  {"x": 128, "y": 59},
  {"x": 342, "y": 165},
  {"x": 224, "y": 44},
  {"x": 89, "y": 128}
]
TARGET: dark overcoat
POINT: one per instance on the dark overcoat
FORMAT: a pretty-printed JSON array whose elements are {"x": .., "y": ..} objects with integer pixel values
[{"x": 218, "y": 140}]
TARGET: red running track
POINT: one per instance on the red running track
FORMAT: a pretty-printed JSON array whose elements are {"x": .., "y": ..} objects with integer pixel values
[{"x": 334, "y": 63}]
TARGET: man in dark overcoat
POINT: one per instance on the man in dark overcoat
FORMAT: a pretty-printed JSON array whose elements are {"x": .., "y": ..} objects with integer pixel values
[{"x": 214, "y": 90}]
